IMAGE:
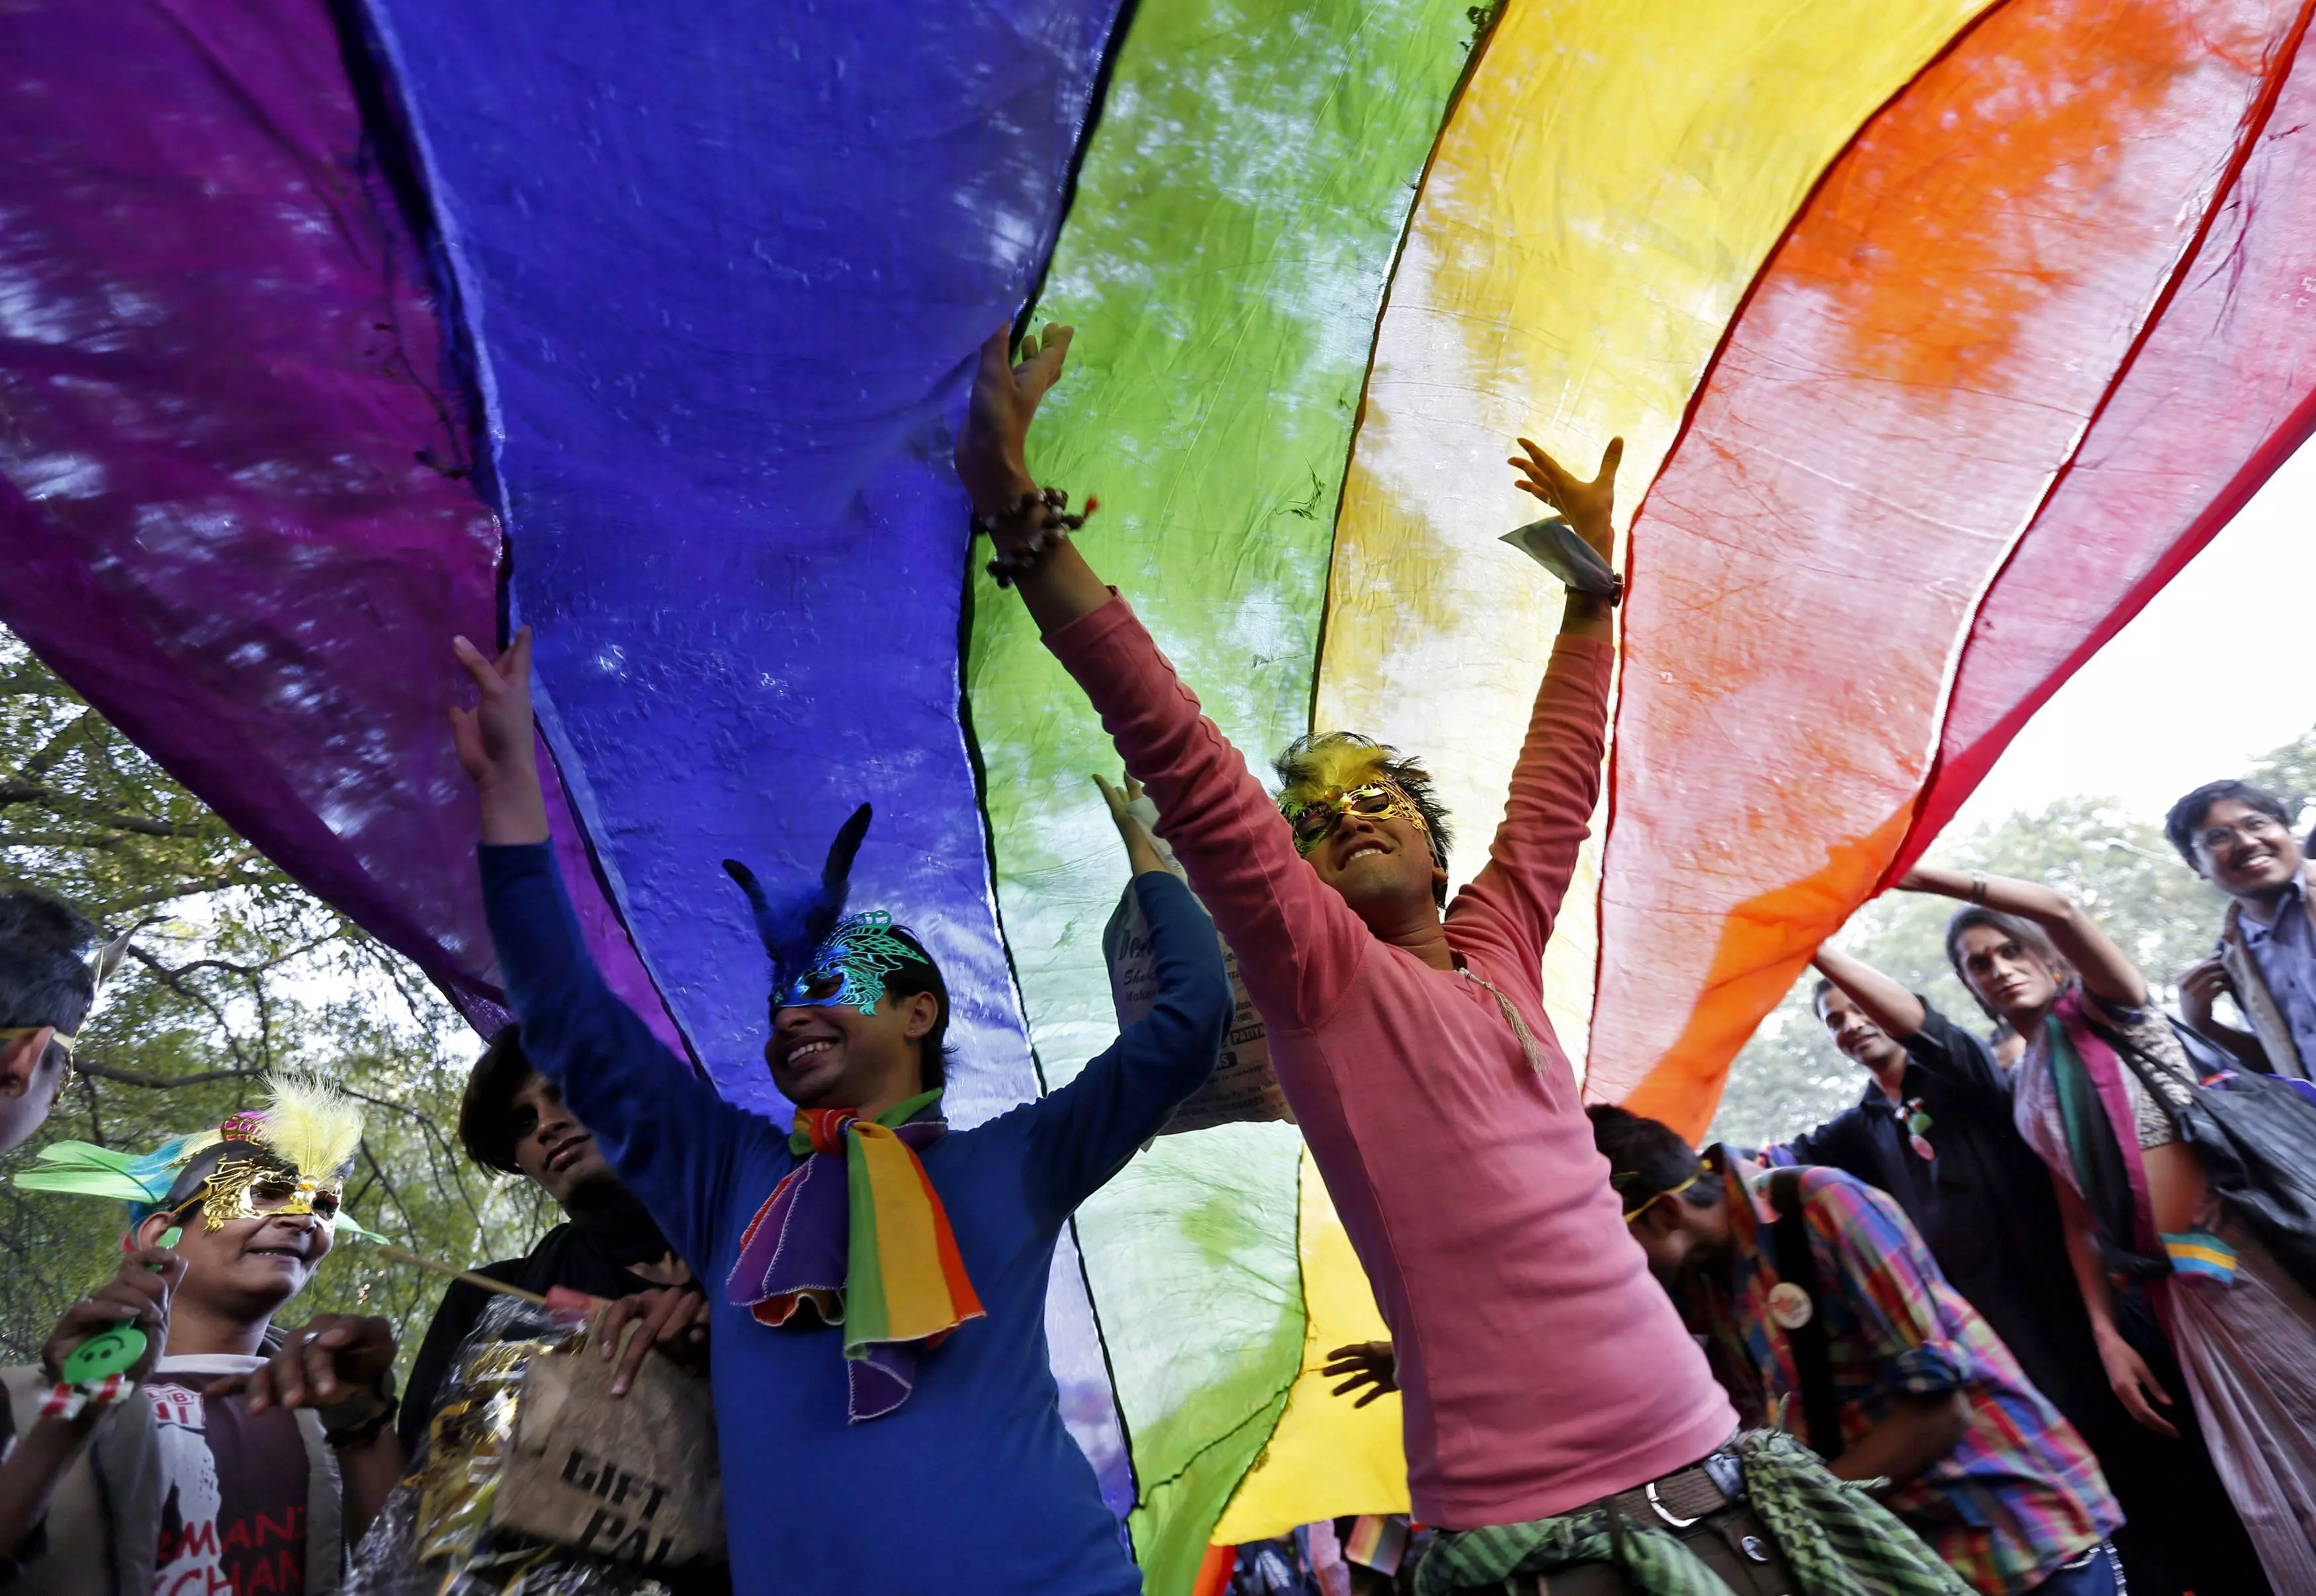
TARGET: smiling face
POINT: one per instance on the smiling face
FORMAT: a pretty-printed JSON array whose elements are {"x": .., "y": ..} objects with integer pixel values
[
  {"x": 32, "y": 1076},
  {"x": 554, "y": 1150},
  {"x": 1859, "y": 1039},
  {"x": 245, "y": 1269},
  {"x": 2005, "y": 975},
  {"x": 2244, "y": 852},
  {"x": 832, "y": 1056},
  {"x": 1381, "y": 864}
]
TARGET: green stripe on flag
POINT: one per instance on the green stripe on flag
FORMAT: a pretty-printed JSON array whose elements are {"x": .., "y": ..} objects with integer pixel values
[{"x": 1236, "y": 217}]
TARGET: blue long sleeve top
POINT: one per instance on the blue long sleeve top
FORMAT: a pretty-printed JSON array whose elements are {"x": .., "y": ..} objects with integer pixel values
[{"x": 974, "y": 1485}]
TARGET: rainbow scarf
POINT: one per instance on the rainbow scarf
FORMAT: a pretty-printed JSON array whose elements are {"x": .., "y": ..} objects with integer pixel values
[{"x": 856, "y": 1233}]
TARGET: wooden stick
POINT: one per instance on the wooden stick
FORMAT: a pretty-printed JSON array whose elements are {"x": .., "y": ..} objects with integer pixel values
[{"x": 405, "y": 1255}]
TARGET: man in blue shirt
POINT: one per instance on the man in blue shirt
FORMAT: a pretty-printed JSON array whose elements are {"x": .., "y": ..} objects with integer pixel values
[
  {"x": 2238, "y": 838},
  {"x": 854, "y": 1459}
]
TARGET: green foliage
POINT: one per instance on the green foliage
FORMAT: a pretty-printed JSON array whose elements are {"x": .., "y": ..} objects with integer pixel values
[
  {"x": 235, "y": 971},
  {"x": 2115, "y": 863}
]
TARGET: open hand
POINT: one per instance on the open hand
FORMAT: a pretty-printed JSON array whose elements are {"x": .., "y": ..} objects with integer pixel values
[
  {"x": 2134, "y": 1384},
  {"x": 1587, "y": 506},
  {"x": 494, "y": 741},
  {"x": 494, "y": 737},
  {"x": 992, "y": 458},
  {"x": 137, "y": 1295},
  {"x": 1365, "y": 1363},
  {"x": 672, "y": 1318},
  {"x": 330, "y": 1359},
  {"x": 1141, "y": 853}
]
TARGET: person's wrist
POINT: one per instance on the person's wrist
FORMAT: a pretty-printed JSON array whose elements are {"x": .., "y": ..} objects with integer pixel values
[
  {"x": 358, "y": 1420},
  {"x": 514, "y": 808},
  {"x": 1004, "y": 491}
]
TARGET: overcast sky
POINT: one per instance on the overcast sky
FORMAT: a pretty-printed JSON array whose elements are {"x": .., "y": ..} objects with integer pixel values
[{"x": 2216, "y": 671}]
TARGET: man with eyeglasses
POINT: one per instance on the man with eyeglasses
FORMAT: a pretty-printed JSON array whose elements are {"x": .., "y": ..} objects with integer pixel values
[
  {"x": 1409, "y": 1034},
  {"x": 2238, "y": 838}
]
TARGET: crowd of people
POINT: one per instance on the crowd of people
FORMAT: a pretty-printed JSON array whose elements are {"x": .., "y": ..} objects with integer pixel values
[{"x": 2035, "y": 1316}]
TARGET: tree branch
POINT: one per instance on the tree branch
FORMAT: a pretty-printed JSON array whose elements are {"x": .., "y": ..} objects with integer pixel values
[
  {"x": 160, "y": 1082},
  {"x": 192, "y": 889},
  {"x": 46, "y": 758}
]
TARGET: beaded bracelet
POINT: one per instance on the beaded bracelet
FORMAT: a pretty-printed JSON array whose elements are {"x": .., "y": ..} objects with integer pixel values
[{"x": 1052, "y": 531}]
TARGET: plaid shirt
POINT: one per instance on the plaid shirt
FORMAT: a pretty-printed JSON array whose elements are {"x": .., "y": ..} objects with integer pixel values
[{"x": 2020, "y": 1493}]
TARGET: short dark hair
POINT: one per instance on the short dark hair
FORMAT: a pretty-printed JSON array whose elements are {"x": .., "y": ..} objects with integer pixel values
[
  {"x": 1648, "y": 1158},
  {"x": 485, "y": 1127},
  {"x": 1300, "y": 763},
  {"x": 908, "y": 979},
  {"x": 2187, "y": 814},
  {"x": 2025, "y": 932},
  {"x": 1817, "y": 995},
  {"x": 44, "y": 974}
]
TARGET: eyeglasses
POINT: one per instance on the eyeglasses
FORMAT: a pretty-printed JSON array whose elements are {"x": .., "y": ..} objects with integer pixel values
[
  {"x": 1315, "y": 821},
  {"x": 2251, "y": 828},
  {"x": 1648, "y": 1203},
  {"x": 59, "y": 1039}
]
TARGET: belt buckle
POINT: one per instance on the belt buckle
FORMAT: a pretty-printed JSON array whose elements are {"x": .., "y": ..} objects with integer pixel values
[
  {"x": 1665, "y": 1512},
  {"x": 1725, "y": 1471}
]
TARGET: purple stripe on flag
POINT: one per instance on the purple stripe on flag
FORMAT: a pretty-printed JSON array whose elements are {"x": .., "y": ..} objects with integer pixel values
[{"x": 237, "y": 513}]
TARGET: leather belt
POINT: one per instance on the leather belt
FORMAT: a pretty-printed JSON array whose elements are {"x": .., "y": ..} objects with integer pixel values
[{"x": 1680, "y": 1499}]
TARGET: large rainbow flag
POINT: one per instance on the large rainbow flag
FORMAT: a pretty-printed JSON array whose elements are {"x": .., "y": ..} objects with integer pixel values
[{"x": 1942, "y": 334}]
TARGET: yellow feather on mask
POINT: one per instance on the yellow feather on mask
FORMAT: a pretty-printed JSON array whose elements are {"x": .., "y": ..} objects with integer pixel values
[
  {"x": 315, "y": 1127},
  {"x": 1332, "y": 762}
]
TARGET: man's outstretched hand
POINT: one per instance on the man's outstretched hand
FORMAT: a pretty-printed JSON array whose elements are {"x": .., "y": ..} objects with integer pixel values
[
  {"x": 991, "y": 451},
  {"x": 1586, "y": 506},
  {"x": 495, "y": 742}
]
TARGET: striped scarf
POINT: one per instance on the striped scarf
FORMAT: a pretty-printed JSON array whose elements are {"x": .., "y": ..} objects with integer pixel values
[
  {"x": 1838, "y": 1541},
  {"x": 856, "y": 1233}
]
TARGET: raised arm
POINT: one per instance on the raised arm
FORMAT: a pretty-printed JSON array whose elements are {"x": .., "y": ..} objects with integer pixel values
[
  {"x": 1298, "y": 942},
  {"x": 1898, "y": 1012},
  {"x": 1083, "y": 1134},
  {"x": 667, "y": 1133},
  {"x": 2107, "y": 972},
  {"x": 1518, "y": 893}
]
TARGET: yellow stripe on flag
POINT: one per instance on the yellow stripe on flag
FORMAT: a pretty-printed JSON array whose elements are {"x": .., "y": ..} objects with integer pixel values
[
  {"x": 1328, "y": 1457},
  {"x": 1616, "y": 174}
]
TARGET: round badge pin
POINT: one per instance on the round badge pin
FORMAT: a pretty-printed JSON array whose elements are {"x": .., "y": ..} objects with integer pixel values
[
  {"x": 106, "y": 1353},
  {"x": 1790, "y": 1304}
]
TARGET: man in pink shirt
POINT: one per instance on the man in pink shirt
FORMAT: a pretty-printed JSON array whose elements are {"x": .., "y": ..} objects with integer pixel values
[{"x": 1545, "y": 1372}]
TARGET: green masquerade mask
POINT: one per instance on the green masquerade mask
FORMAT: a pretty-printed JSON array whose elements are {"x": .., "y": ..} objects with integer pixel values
[{"x": 851, "y": 966}]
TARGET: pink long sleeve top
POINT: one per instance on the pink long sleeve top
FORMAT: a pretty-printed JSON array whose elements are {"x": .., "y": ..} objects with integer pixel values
[{"x": 1542, "y": 1366}]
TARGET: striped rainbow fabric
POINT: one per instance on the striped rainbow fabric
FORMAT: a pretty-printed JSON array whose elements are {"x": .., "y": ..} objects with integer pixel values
[
  {"x": 1941, "y": 332},
  {"x": 905, "y": 1280}
]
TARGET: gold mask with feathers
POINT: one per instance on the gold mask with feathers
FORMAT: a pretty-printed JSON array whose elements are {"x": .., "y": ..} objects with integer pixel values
[
  {"x": 1336, "y": 774},
  {"x": 299, "y": 1151}
]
